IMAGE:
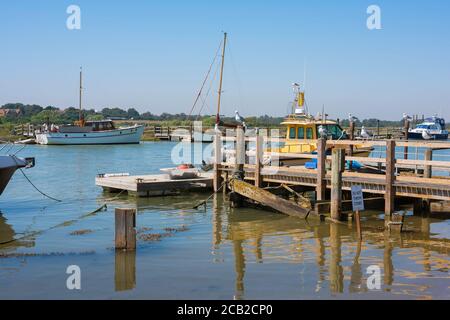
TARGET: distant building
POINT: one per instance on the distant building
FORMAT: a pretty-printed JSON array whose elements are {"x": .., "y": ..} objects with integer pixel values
[{"x": 5, "y": 112}]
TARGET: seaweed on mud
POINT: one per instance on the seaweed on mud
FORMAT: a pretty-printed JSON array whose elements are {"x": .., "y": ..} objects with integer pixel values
[
  {"x": 4, "y": 255},
  {"x": 174, "y": 230},
  {"x": 81, "y": 232}
]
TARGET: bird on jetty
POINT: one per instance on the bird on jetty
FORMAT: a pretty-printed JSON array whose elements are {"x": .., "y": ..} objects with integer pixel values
[
  {"x": 364, "y": 133},
  {"x": 426, "y": 135},
  {"x": 352, "y": 118},
  {"x": 406, "y": 117},
  {"x": 323, "y": 132},
  {"x": 239, "y": 118}
]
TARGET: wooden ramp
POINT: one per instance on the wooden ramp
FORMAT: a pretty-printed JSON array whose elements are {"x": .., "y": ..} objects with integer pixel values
[{"x": 153, "y": 185}]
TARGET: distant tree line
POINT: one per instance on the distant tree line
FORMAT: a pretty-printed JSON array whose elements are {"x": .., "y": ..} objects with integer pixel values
[{"x": 37, "y": 114}]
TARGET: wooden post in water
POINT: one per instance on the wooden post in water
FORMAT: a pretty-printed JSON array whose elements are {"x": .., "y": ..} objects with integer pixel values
[
  {"x": 337, "y": 167},
  {"x": 378, "y": 129},
  {"x": 428, "y": 171},
  {"x": 350, "y": 147},
  {"x": 217, "y": 179},
  {"x": 125, "y": 220},
  {"x": 389, "y": 195},
  {"x": 321, "y": 171},
  {"x": 238, "y": 173},
  {"x": 358, "y": 224},
  {"x": 240, "y": 151},
  {"x": 258, "y": 159},
  {"x": 406, "y": 129}
]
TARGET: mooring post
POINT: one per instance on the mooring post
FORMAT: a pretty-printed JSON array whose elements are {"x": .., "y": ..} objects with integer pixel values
[
  {"x": 240, "y": 151},
  {"x": 321, "y": 171},
  {"x": 337, "y": 167},
  {"x": 389, "y": 195},
  {"x": 428, "y": 171},
  {"x": 258, "y": 159},
  {"x": 235, "y": 198},
  {"x": 350, "y": 147},
  {"x": 125, "y": 220},
  {"x": 406, "y": 129},
  {"x": 217, "y": 179}
]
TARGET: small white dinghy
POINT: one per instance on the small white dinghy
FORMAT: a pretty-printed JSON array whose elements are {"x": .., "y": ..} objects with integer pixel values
[{"x": 182, "y": 172}]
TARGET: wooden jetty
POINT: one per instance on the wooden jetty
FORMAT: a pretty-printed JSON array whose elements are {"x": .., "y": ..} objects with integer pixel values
[
  {"x": 152, "y": 185},
  {"x": 398, "y": 175},
  {"x": 398, "y": 178}
]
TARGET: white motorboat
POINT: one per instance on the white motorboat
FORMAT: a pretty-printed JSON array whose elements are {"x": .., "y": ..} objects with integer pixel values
[{"x": 8, "y": 165}]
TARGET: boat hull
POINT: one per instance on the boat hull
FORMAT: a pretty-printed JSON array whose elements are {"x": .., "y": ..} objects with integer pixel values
[
  {"x": 9, "y": 165},
  {"x": 289, "y": 161},
  {"x": 128, "y": 135},
  {"x": 418, "y": 136}
]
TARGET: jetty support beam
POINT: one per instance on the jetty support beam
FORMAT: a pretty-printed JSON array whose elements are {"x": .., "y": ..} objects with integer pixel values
[
  {"x": 321, "y": 171},
  {"x": 337, "y": 168},
  {"x": 217, "y": 179},
  {"x": 389, "y": 196}
]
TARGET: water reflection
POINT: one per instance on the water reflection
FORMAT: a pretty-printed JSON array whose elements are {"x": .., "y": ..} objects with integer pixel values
[
  {"x": 125, "y": 270},
  {"x": 336, "y": 260},
  {"x": 7, "y": 236}
]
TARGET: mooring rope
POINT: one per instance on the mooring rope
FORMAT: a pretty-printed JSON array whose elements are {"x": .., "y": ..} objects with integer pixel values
[{"x": 37, "y": 189}]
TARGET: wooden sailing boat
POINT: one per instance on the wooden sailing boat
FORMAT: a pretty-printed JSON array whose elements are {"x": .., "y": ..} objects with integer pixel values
[{"x": 90, "y": 132}]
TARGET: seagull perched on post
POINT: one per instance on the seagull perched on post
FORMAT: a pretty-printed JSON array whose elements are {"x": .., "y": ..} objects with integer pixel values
[
  {"x": 352, "y": 118},
  {"x": 239, "y": 118},
  {"x": 406, "y": 117},
  {"x": 323, "y": 131}
]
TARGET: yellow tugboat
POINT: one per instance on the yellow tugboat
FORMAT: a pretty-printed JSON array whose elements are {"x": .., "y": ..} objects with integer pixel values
[{"x": 303, "y": 130}]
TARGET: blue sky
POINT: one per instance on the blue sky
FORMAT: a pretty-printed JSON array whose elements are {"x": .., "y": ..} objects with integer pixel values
[{"x": 153, "y": 55}]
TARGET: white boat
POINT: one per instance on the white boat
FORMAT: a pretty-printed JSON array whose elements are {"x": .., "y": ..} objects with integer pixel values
[
  {"x": 8, "y": 165},
  {"x": 93, "y": 132},
  {"x": 89, "y": 132}
]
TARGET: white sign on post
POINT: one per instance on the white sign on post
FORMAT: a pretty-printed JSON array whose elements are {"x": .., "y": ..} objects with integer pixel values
[{"x": 357, "y": 198}]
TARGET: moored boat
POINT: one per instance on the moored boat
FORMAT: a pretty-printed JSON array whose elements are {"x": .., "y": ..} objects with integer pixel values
[
  {"x": 89, "y": 132},
  {"x": 93, "y": 132},
  {"x": 431, "y": 129},
  {"x": 303, "y": 130},
  {"x": 8, "y": 166}
]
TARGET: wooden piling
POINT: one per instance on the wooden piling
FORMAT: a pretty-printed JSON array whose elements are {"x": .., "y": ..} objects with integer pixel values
[
  {"x": 240, "y": 149},
  {"x": 258, "y": 160},
  {"x": 236, "y": 199},
  {"x": 337, "y": 167},
  {"x": 321, "y": 171},
  {"x": 406, "y": 129},
  {"x": 427, "y": 173},
  {"x": 217, "y": 179},
  {"x": 350, "y": 147},
  {"x": 125, "y": 220},
  {"x": 390, "y": 179}
]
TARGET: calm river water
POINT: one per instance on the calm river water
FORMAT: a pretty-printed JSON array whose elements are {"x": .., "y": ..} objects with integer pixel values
[{"x": 219, "y": 253}]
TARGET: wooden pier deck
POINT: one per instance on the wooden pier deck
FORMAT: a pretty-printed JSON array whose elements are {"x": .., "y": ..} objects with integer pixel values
[
  {"x": 153, "y": 185},
  {"x": 397, "y": 173}
]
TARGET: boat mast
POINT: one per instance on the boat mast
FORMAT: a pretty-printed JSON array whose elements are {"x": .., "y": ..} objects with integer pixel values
[
  {"x": 80, "y": 116},
  {"x": 221, "y": 78}
]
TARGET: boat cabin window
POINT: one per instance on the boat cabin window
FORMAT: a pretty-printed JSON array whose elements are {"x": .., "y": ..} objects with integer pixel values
[
  {"x": 422, "y": 126},
  {"x": 309, "y": 133},
  {"x": 301, "y": 133},
  {"x": 102, "y": 126},
  {"x": 291, "y": 132},
  {"x": 334, "y": 130}
]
